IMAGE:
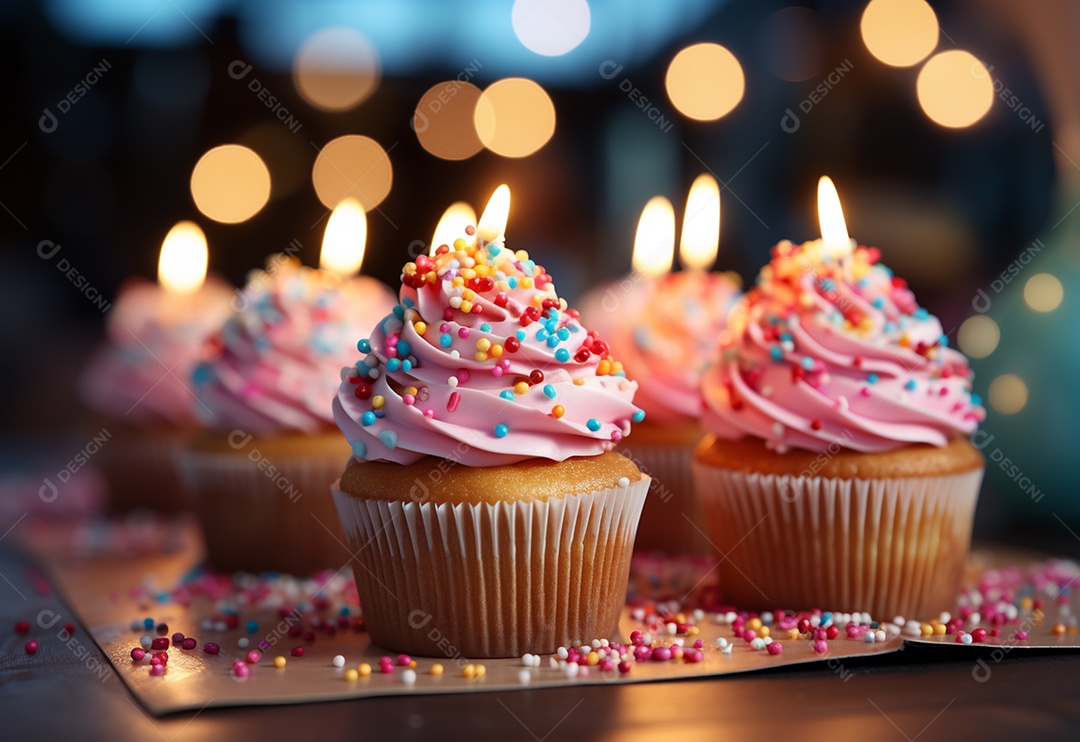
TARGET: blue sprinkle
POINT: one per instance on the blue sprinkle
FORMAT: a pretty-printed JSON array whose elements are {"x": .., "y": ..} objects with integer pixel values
[
  {"x": 593, "y": 424},
  {"x": 552, "y": 341},
  {"x": 871, "y": 379},
  {"x": 445, "y": 340},
  {"x": 621, "y": 374},
  {"x": 359, "y": 449},
  {"x": 148, "y": 623},
  {"x": 493, "y": 250},
  {"x": 574, "y": 328},
  {"x": 553, "y": 314},
  {"x": 202, "y": 374},
  {"x": 920, "y": 313},
  {"x": 252, "y": 626},
  {"x": 262, "y": 344},
  {"x": 776, "y": 353},
  {"x": 549, "y": 390},
  {"x": 485, "y": 327},
  {"x": 807, "y": 362},
  {"x": 393, "y": 364},
  {"x": 409, "y": 303},
  {"x": 507, "y": 394},
  {"x": 501, "y": 430},
  {"x": 562, "y": 355},
  {"x": 976, "y": 400},
  {"x": 826, "y": 618},
  {"x": 511, "y": 282},
  {"x": 638, "y": 416},
  {"x": 389, "y": 439},
  {"x": 563, "y": 334},
  {"x": 364, "y": 346},
  {"x": 520, "y": 335},
  {"x": 786, "y": 337},
  {"x": 373, "y": 373},
  {"x": 343, "y": 610},
  {"x": 399, "y": 311},
  {"x": 878, "y": 303},
  {"x": 541, "y": 334},
  {"x": 943, "y": 341},
  {"x": 910, "y": 386},
  {"x": 406, "y": 365},
  {"x": 368, "y": 418},
  {"x": 380, "y": 414},
  {"x": 890, "y": 327},
  {"x": 404, "y": 350}
]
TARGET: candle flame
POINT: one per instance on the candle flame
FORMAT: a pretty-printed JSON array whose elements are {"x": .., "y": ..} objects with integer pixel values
[
  {"x": 344, "y": 239},
  {"x": 654, "y": 243},
  {"x": 452, "y": 226},
  {"x": 183, "y": 260},
  {"x": 834, "y": 232},
  {"x": 492, "y": 224},
  {"x": 700, "y": 241}
]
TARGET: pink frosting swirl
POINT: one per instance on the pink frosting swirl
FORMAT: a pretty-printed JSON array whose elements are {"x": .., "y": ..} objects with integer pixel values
[
  {"x": 483, "y": 363},
  {"x": 275, "y": 363},
  {"x": 153, "y": 341},
  {"x": 665, "y": 332},
  {"x": 826, "y": 352}
]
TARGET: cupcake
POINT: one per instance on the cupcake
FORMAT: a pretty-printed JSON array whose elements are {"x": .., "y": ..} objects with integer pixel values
[
  {"x": 139, "y": 382},
  {"x": 665, "y": 331},
  {"x": 838, "y": 471},
  {"x": 490, "y": 514},
  {"x": 257, "y": 478}
]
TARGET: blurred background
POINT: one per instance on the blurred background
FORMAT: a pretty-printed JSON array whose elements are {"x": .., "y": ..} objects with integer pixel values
[{"x": 952, "y": 130}]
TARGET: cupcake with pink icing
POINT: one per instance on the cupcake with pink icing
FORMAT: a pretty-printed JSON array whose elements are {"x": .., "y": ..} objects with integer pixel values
[
  {"x": 664, "y": 331},
  {"x": 838, "y": 469},
  {"x": 258, "y": 475},
  {"x": 138, "y": 380},
  {"x": 484, "y": 497}
]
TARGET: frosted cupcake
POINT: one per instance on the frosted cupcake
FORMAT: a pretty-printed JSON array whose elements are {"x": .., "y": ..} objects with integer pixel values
[
  {"x": 139, "y": 381},
  {"x": 258, "y": 479},
  {"x": 664, "y": 331},
  {"x": 837, "y": 471},
  {"x": 489, "y": 510}
]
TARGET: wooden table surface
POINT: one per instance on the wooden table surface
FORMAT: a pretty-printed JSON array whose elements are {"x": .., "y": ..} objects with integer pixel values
[{"x": 920, "y": 693}]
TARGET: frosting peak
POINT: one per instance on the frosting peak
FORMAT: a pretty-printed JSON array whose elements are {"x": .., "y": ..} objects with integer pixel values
[
  {"x": 825, "y": 352},
  {"x": 482, "y": 351}
]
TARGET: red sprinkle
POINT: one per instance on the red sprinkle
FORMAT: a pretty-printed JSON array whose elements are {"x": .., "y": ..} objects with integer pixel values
[
  {"x": 774, "y": 648},
  {"x": 31, "y": 647},
  {"x": 211, "y": 648},
  {"x": 297, "y": 652},
  {"x": 137, "y": 653},
  {"x": 22, "y": 627}
]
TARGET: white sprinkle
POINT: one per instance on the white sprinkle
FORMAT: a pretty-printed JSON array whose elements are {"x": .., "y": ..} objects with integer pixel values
[
  {"x": 777, "y": 429},
  {"x": 912, "y": 628},
  {"x": 455, "y": 354},
  {"x": 638, "y": 614},
  {"x": 408, "y": 676},
  {"x": 242, "y": 642},
  {"x": 767, "y": 618},
  {"x": 899, "y": 621},
  {"x": 206, "y": 625},
  {"x": 220, "y": 626},
  {"x": 757, "y": 643},
  {"x": 722, "y": 642},
  {"x": 572, "y": 670},
  {"x": 699, "y": 615},
  {"x": 452, "y": 381},
  {"x": 339, "y": 661},
  {"x": 527, "y": 659},
  {"x": 672, "y": 628},
  {"x": 869, "y": 637},
  {"x": 605, "y": 643},
  {"x": 815, "y": 620},
  {"x": 596, "y": 644},
  {"x": 145, "y": 640},
  {"x": 975, "y": 618},
  {"x": 945, "y": 617},
  {"x": 680, "y": 642},
  {"x": 965, "y": 639},
  {"x": 727, "y": 649},
  {"x": 524, "y": 677},
  {"x": 624, "y": 482},
  {"x": 730, "y": 617},
  {"x": 880, "y": 635},
  {"x": 563, "y": 654},
  {"x": 552, "y": 663}
]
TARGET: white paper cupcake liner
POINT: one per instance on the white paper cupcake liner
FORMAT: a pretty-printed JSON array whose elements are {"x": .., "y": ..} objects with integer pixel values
[
  {"x": 266, "y": 513},
  {"x": 889, "y": 546},
  {"x": 492, "y": 580},
  {"x": 672, "y": 520}
]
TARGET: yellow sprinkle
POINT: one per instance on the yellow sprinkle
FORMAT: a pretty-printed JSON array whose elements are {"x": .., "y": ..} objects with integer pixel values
[
  {"x": 411, "y": 390},
  {"x": 466, "y": 306},
  {"x": 525, "y": 282},
  {"x": 926, "y": 629},
  {"x": 603, "y": 369},
  {"x": 483, "y": 344},
  {"x": 460, "y": 244},
  {"x": 537, "y": 300},
  {"x": 483, "y": 269},
  {"x": 592, "y": 658},
  {"x": 469, "y": 671},
  {"x": 378, "y": 401},
  {"x": 431, "y": 276},
  {"x": 753, "y": 623},
  {"x": 1058, "y": 629},
  {"x": 481, "y": 671},
  {"x": 558, "y": 411},
  {"x": 792, "y": 634},
  {"x": 1026, "y": 604},
  {"x": 905, "y": 341},
  {"x": 763, "y": 631},
  {"x": 693, "y": 631},
  {"x": 279, "y": 662},
  {"x": 468, "y": 295},
  {"x": 496, "y": 350},
  {"x": 351, "y": 675},
  {"x": 939, "y": 630},
  {"x": 616, "y": 367},
  {"x": 521, "y": 255},
  {"x": 521, "y": 387},
  {"x": 457, "y": 282},
  {"x": 436, "y": 669},
  {"x": 480, "y": 356},
  {"x": 412, "y": 664},
  {"x": 579, "y": 382},
  {"x": 420, "y": 328},
  {"x": 468, "y": 273}
]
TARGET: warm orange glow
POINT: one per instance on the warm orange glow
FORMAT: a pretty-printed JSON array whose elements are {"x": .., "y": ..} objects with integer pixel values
[
  {"x": 452, "y": 226},
  {"x": 352, "y": 167},
  {"x": 705, "y": 81},
  {"x": 443, "y": 120},
  {"x": 654, "y": 243},
  {"x": 514, "y": 117},
  {"x": 184, "y": 257},
  {"x": 345, "y": 238},
  {"x": 336, "y": 69},
  {"x": 230, "y": 183},
  {"x": 955, "y": 89},
  {"x": 700, "y": 240},
  {"x": 492, "y": 224},
  {"x": 900, "y": 33},
  {"x": 834, "y": 232}
]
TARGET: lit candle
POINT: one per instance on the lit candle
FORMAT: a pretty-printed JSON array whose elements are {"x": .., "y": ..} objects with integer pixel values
[
  {"x": 183, "y": 260},
  {"x": 654, "y": 242},
  {"x": 492, "y": 225},
  {"x": 451, "y": 226},
  {"x": 344, "y": 240},
  {"x": 834, "y": 235},
  {"x": 700, "y": 240}
]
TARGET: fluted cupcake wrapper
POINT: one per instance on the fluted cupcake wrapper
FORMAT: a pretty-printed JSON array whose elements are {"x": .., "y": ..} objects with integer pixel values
[
  {"x": 469, "y": 580},
  {"x": 889, "y": 546},
  {"x": 266, "y": 514},
  {"x": 672, "y": 520}
]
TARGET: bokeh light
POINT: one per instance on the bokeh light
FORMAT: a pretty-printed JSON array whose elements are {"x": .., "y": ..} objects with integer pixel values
[
  {"x": 955, "y": 89},
  {"x": 230, "y": 183},
  {"x": 899, "y": 33},
  {"x": 1043, "y": 292},
  {"x": 792, "y": 43},
  {"x": 978, "y": 336},
  {"x": 352, "y": 166},
  {"x": 1008, "y": 394},
  {"x": 705, "y": 81},
  {"x": 514, "y": 117},
  {"x": 336, "y": 69},
  {"x": 443, "y": 120},
  {"x": 551, "y": 27}
]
